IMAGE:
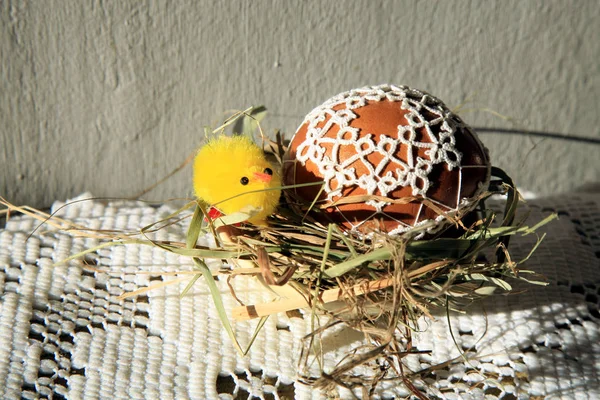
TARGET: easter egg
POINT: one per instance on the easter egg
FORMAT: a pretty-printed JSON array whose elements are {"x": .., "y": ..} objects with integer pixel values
[{"x": 400, "y": 151}]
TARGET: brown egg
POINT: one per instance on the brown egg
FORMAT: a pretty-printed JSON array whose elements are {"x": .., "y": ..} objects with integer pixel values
[{"x": 390, "y": 142}]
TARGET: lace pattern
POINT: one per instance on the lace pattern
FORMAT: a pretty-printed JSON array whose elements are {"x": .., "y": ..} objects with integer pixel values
[
  {"x": 425, "y": 114},
  {"x": 65, "y": 333}
]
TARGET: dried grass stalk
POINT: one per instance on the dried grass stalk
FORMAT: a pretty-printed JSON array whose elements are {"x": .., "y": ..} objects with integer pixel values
[{"x": 379, "y": 286}]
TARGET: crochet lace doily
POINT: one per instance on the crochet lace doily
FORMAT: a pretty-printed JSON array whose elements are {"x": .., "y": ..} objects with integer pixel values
[{"x": 65, "y": 334}]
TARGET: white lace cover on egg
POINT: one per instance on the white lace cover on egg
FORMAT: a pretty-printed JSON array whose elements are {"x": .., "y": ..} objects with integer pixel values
[{"x": 414, "y": 171}]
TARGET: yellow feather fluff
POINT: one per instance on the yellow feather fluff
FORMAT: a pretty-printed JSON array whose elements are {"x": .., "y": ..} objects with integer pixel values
[{"x": 226, "y": 167}]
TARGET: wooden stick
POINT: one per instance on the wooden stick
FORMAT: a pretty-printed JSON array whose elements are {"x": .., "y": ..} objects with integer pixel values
[
  {"x": 299, "y": 300},
  {"x": 328, "y": 296}
]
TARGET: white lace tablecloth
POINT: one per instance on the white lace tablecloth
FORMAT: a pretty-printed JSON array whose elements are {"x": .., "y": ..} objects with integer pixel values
[{"x": 65, "y": 334}]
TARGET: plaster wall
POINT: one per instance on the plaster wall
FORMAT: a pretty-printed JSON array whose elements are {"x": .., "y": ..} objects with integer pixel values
[{"x": 110, "y": 96}]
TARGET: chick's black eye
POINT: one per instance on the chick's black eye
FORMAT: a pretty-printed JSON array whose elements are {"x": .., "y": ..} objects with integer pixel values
[
  {"x": 244, "y": 180},
  {"x": 268, "y": 171}
]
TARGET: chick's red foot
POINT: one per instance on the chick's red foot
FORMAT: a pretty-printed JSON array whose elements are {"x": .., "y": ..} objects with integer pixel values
[{"x": 214, "y": 213}]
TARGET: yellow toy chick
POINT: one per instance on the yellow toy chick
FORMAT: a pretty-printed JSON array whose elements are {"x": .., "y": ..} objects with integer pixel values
[{"x": 227, "y": 167}]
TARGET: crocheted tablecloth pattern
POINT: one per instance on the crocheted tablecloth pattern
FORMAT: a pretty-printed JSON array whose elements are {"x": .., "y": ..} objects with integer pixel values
[{"x": 64, "y": 332}]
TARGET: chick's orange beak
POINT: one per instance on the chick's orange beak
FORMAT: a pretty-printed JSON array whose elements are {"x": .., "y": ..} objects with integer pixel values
[{"x": 261, "y": 177}]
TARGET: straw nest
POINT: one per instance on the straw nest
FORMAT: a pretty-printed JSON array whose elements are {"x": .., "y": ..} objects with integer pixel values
[{"x": 379, "y": 285}]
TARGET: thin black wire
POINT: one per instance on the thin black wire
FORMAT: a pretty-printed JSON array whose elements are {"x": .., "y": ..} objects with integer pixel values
[
  {"x": 547, "y": 135},
  {"x": 520, "y": 132}
]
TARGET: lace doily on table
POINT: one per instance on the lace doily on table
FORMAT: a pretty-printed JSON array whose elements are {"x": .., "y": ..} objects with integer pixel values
[
  {"x": 430, "y": 126},
  {"x": 65, "y": 334}
]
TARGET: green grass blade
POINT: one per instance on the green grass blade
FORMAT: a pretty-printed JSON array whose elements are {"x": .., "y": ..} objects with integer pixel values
[
  {"x": 314, "y": 250},
  {"x": 522, "y": 274},
  {"x": 512, "y": 197},
  {"x": 346, "y": 266},
  {"x": 190, "y": 284},
  {"x": 495, "y": 232},
  {"x": 437, "y": 249},
  {"x": 543, "y": 222},
  {"x": 346, "y": 241},
  {"x": 217, "y": 301},
  {"x": 537, "y": 243},
  {"x": 249, "y": 122},
  {"x": 92, "y": 250},
  {"x": 496, "y": 281},
  {"x": 327, "y": 247},
  {"x": 202, "y": 252},
  {"x": 174, "y": 214},
  {"x": 269, "y": 189},
  {"x": 191, "y": 239},
  {"x": 318, "y": 195},
  {"x": 261, "y": 323},
  {"x": 237, "y": 217},
  {"x": 231, "y": 120},
  {"x": 194, "y": 229}
]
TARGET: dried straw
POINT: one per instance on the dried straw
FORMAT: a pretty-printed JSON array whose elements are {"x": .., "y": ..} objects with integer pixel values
[{"x": 379, "y": 286}]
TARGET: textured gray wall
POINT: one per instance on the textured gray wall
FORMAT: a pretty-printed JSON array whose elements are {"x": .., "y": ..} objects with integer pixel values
[{"x": 109, "y": 96}]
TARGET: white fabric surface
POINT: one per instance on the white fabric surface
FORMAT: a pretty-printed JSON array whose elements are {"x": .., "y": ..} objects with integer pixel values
[{"x": 64, "y": 333}]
